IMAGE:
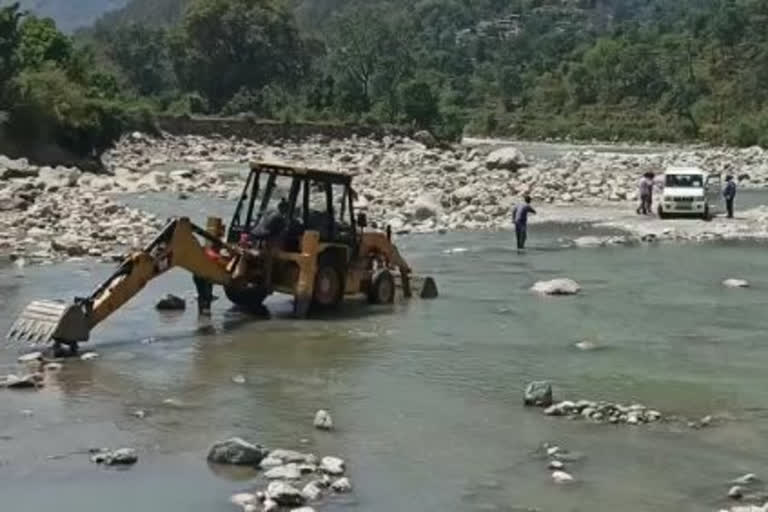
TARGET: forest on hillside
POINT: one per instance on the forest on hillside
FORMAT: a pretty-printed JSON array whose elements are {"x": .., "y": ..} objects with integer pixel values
[{"x": 664, "y": 70}]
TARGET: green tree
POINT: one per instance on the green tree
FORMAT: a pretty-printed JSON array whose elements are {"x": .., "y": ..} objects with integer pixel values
[
  {"x": 222, "y": 46},
  {"x": 420, "y": 105},
  {"x": 10, "y": 38},
  {"x": 42, "y": 42},
  {"x": 141, "y": 54}
]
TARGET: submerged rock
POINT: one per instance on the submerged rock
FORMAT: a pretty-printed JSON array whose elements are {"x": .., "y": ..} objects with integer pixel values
[
  {"x": 736, "y": 492},
  {"x": 428, "y": 289},
  {"x": 538, "y": 393},
  {"x": 237, "y": 452},
  {"x": 119, "y": 457},
  {"x": 736, "y": 283},
  {"x": 89, "y": 356},
  {"x": 323, "y": 420},
  {"x": 171, "y": 303},
  {"x": 747, "y": 479},
  {"x": 557, "y": 287}
]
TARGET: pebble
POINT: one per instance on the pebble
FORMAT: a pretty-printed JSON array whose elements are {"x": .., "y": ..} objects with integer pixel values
[
  {"x": 238, "y": 379},
  {"x": 89, "y": 356}
]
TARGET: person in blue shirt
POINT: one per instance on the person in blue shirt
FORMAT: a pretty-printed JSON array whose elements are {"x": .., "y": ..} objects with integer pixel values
[
  {"x": 520, "y": 218},
  {"x": 729, "y": 194}
]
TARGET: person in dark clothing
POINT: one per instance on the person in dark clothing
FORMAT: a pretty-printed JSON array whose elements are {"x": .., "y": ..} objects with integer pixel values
[
  {"x": 520, "y": 218},
  {"x": 729, "y": 194},
  {"x": 273, "y": 223},
  {"x": 645, "y": 191}
]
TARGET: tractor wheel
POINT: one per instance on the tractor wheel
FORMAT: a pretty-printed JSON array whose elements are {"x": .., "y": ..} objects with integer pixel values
[
  {"x": 249, "y": 298},
  {"x": 382, "y": 289},
  {"x": 329, "y": 287}
]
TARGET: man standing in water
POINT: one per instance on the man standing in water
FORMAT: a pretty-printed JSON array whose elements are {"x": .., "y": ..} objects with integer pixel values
[
  {"x": 520, "y": 218},
  {"x": 645, "y": 189},
  {"x": 729, "y": 194}
]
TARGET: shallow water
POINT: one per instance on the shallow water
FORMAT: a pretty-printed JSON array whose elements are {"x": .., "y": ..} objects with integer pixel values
[{"x": 426, "y": 395}]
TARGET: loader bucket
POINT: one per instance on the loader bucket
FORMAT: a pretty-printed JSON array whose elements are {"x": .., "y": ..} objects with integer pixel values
[{"x": 44, "y": 321}]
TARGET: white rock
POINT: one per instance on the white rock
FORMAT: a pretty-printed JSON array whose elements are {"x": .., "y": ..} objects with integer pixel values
[
  {"x": 285, "y": 494},
  {"x": 312, "y": 491},
  {"x": 332, "y": 465},
  {"x": 557, "y": 287},
  {"x": 341, "y": 485},
  {"x": 510, "y": 159},
  {"x": 747, "y": 479},
  {"x": 270, "y": 462},
  {"x": 292, "y": 456},
  {"x": 556, "y": 464},
  {"x": 31, "y": 357},
  {"x": 287, "y": 472},
  {"x": 736, "y": 283},
  {"x": 561, "y": 477},
  {"x": 323, "y": 420},
  {"x": 89, "y": 356},
  {"x": 736, "y": 492},
  {"x": 270, "y": 505},
  {"x": 242, "y": 499}
]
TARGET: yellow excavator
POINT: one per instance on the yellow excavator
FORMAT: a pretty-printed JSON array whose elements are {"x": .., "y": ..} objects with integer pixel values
[{"x": 294, "y": 231}]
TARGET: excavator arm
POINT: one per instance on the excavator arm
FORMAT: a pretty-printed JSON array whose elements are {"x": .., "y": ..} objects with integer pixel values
[{"x": 176, "y": 246}]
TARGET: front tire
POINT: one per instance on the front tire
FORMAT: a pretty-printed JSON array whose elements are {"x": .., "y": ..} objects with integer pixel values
[
  {"x": 329, "y": 287},
  {"x": 382, "y": 289},
  {"x": 249, "y": 297}
]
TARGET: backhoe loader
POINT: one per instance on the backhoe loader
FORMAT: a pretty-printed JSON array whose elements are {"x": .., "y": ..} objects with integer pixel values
[{"x": 294, "y": 230}]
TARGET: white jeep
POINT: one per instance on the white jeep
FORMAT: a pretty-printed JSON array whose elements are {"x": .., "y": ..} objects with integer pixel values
[{"x": 690, "y": 191}]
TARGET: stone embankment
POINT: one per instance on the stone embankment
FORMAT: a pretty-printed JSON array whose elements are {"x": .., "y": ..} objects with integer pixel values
[{"x": 52, "y": 214}]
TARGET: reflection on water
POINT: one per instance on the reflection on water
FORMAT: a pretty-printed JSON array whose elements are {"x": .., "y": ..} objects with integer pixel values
[{"x": 426, "y": 395}]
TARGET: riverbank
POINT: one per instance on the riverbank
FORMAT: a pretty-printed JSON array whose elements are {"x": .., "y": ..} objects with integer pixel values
[{"x": 53, "y": 214}]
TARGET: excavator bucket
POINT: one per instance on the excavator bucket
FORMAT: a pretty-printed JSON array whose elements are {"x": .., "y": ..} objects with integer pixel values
[{"x": 44, "y": 321}]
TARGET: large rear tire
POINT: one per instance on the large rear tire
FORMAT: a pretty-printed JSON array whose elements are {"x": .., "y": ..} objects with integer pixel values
[
  {"x": 382, "y": 289},
  {"x": 249, "y": 297},
  {"x": 329, "y": 287}
]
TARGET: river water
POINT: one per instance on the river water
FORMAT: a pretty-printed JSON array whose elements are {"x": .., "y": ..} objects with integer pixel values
[{"x": 427, "y": 395}]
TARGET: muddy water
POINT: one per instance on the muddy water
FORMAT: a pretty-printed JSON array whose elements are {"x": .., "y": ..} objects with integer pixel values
[{"x": 427, "y": 395}]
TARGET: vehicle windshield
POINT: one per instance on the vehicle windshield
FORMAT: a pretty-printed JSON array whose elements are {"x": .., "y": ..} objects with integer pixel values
[{"x": 684, "y": 180}]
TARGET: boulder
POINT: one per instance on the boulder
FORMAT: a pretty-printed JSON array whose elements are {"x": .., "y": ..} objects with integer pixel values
[
  {"x": 509, "y": 159},
  {"x": 270, "y": 462},
  {"x": 341, "y": 485},
  {"x": 736, "y": 283},
  {"x": 171, "y": 303},
  {"x": 557, "y": 287},
  {"x": 557, "y": 465},
  {"x": 426, "y": 138},
  {"x": 323, "y": 420},
  {"x": 237, "y": 452},
  {"x": 425, "y": 207},
  {"x": 68, "y": 244},
  {"x": 285, "y": 494},
  {"x": 332, "y": 465},
  {"x": 538, "y": 393},
  {"x": 747, "y": 479},
  {"x": 428, "y": 289}
]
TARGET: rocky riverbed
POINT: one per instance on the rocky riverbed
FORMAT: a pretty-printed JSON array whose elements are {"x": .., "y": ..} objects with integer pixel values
[{"x": 50, "y": 214}]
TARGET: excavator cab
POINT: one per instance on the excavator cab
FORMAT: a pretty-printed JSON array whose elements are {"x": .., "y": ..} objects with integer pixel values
[
  {"x": 293, "y": 231},
  {"x": 320, "y": 253}
]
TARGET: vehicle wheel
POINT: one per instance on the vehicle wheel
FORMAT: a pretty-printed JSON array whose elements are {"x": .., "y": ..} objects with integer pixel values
[
  {"x": 249, "y": 298},
  {"x": 382, "y": 289},
  {"x": 329, "y": 287},
  {"x": 661, "y": 213}
]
